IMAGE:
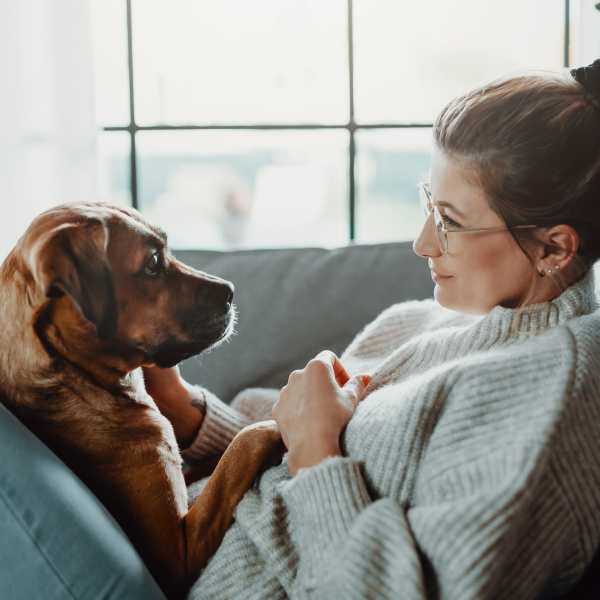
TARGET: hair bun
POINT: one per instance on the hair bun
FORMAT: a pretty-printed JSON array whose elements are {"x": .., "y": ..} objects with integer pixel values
[{"x": 589, "y": 78}]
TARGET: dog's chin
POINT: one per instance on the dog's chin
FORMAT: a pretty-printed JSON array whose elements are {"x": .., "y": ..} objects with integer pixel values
[{"x": 173, "y": 352}]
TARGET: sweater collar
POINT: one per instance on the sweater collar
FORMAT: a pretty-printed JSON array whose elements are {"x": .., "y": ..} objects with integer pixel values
[{"x": 578, "y": 299}]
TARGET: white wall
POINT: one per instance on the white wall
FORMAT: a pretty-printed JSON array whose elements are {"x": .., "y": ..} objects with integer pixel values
[{"x": 47, "y": 122}]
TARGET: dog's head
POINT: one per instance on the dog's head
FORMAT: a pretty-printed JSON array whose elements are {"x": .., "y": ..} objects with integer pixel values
[{"x": 101, "y": 281}]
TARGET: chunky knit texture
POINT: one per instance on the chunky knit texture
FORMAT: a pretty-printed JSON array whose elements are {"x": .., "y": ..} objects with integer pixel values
[{"x": 470, "y": 470}]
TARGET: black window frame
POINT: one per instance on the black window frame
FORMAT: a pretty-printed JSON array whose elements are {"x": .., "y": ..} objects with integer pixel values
[{"x": 351, "y": 126}]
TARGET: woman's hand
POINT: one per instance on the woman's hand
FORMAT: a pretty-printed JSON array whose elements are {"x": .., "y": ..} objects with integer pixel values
[{"x": 314, "y": 407}]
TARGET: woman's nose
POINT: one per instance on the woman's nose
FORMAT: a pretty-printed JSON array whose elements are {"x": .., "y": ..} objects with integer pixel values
[{"x": 426, "y": 244}]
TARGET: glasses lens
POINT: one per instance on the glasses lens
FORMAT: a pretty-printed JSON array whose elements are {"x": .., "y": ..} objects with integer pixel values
[
  {"x": 424, "y": 200},
  {"x": 440, "y": 230}
]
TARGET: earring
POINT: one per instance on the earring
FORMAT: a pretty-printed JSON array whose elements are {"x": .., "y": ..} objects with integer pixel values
[{"x": 551, "y": 270}]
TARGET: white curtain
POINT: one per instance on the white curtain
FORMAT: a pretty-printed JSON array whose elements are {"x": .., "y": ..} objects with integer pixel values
[{"x": 47, "y": 113}]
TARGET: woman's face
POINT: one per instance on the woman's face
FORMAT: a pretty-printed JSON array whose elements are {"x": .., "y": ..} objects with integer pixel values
[{"x": 480, "y": 270}]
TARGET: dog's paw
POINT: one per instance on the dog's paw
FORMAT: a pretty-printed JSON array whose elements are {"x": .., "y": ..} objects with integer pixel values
[{"x": 259, "y": 439}]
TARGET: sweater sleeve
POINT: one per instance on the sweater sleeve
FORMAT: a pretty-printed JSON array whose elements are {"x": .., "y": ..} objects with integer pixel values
[
  {"x": 502, "y": 540},
  {"x": 222, "y": 421},
  {"x": 220, "y": 424}
]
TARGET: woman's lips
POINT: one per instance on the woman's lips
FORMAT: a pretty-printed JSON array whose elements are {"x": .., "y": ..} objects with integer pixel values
[{"x": 438, "y": 277}]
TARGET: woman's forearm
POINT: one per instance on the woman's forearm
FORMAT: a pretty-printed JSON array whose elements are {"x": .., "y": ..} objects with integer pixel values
[
  {"x": 173, "y": 397},
  {"x": 311, "y": 454},
  {"x": 185, "y": 417}
]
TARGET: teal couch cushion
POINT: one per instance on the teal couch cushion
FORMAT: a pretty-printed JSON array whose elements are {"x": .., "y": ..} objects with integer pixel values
[{"x": 57, "y": 540}]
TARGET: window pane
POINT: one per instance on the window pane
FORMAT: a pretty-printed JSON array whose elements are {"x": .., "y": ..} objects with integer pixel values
[
  {"x": 113, "y": 168},
  {"x": 411, "y": 57},
  {"x": 235, "y": 61},
  {"x": 109, "y": 36},
  {"x": 584, "y": 32},
  {"x": 234, "y": 189},
  {"x": 390, "y": 163}
]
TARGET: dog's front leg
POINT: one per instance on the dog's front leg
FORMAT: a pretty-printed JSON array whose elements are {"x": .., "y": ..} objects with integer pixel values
[
  {"x": 196, "y": 471},
  {"x": 254, "y": 448},
  {"x": 149, "y": 497}
]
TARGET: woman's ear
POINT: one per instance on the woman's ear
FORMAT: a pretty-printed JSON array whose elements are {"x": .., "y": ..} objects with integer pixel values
[{"x": 560, "y": 244}]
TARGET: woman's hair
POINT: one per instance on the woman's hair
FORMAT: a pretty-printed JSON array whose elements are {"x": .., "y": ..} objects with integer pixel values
[{"x": 533, "y": 144}]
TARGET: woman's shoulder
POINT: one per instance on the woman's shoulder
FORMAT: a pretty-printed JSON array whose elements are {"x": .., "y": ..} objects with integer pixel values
[
  {"x": 556, "y": 369},
  {"x": 537, "y": 397}
]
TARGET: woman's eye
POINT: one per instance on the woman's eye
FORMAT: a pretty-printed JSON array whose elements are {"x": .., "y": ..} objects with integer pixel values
[
  {"x": 153, "y": 265},
  {"x": 448, "y": 222}
]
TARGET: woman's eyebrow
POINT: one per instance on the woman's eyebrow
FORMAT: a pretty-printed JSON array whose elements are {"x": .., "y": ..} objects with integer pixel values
[{"x": 452, "y": 208}]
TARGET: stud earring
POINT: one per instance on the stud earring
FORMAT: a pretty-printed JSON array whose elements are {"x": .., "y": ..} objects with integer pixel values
[{"x": 550, "y": 270}]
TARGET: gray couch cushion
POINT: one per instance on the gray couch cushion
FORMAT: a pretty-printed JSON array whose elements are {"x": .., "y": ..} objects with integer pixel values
[{"x": 295, "y": 302}]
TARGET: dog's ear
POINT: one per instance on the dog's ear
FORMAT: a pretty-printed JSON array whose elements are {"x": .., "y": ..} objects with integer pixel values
[{"x": 71, "y": 259}]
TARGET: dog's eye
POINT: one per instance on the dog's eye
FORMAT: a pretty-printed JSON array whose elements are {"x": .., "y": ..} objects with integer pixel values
[{"x": 154, "y": 264}]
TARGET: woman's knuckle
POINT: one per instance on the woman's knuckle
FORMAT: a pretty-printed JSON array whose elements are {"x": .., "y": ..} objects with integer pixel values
[
  {"x": 318, "y": 365},
  {"x": 326, "y": 356}
]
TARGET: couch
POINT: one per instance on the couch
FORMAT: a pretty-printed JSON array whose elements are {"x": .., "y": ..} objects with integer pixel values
[{"x": 57, "y": 540}]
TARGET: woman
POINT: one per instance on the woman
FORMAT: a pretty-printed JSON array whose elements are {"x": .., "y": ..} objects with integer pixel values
[{"x": 466, "y": 464}]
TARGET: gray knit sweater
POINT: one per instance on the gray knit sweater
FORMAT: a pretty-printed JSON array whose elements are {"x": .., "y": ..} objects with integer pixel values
[{"x": 471, "y": 469}]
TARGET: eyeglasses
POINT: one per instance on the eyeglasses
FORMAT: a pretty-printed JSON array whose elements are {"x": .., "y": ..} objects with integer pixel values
[{"x": 443, "y": 224}]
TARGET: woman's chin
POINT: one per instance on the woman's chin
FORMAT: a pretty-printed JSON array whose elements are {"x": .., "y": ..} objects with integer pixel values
[
  {"x": 445, "y": 299},
  {"x": 440, "y": 295}
]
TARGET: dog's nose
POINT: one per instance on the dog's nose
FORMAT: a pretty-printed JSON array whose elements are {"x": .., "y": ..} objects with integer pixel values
[
  {"x": 229, "y": 289},
  {"x": 215, "y": 293},
  {"x": 223, "y": 293}
]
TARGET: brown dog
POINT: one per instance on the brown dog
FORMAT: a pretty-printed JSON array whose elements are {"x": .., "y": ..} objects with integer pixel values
[{"x": 88, "y": 295}]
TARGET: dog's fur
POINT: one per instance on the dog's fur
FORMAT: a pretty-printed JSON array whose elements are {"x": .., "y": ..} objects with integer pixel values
[{"x": 80, "y": 315}]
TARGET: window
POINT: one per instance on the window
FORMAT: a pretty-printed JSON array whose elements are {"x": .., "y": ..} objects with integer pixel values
[{"x": 294, "y": 122}]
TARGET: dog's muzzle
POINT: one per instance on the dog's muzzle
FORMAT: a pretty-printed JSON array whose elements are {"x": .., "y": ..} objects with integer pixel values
[{"x": 205, "y": 334}]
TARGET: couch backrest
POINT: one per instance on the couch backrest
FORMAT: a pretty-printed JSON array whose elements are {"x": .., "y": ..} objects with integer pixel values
[{"x": 295, "y": 302}]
